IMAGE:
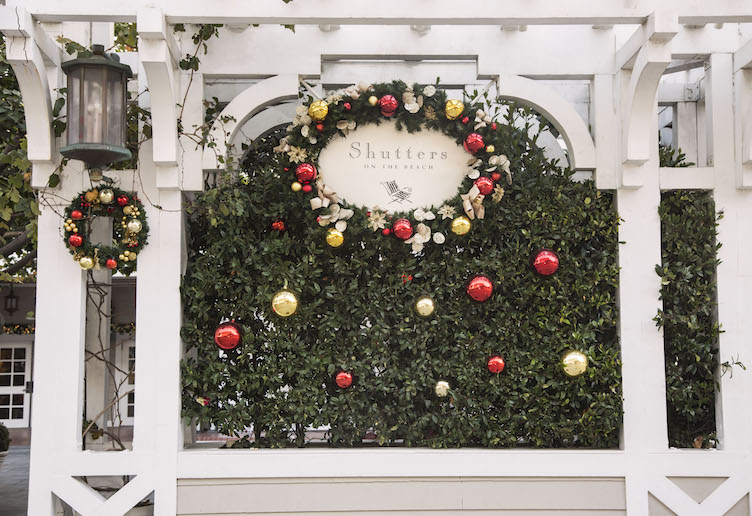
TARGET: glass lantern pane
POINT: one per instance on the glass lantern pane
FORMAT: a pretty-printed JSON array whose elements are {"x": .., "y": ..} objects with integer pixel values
[
  {"x": 93, "y": 107},
  {"x": 5, "y": 400},
  {"x": 115, "y": 104},
  {"x": 18, "y": 399},
  {"x": 74, "y": 106}
]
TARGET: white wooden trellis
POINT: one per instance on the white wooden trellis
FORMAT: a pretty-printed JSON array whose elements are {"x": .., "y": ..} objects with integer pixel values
[{"x": 621, "y": 48}]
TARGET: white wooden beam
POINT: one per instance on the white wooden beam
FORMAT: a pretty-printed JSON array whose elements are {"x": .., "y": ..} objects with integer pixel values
[
  {"x": 152, "y": 26},
  {"x": 603, "y": 114},
  {"x": 638, "y": 115},
  {"x": 743, "y": 56},
  {"x": 692, "y": 178},
  {"x": 660, "y": 27},
  {"x": 398, "y": 12},
  {"x": 159, "y": 68},
  {"x": 16, "y": 22}
]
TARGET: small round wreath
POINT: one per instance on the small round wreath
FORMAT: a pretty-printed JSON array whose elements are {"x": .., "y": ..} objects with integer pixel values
[
  {"x": 129, "y": 228},
  {"x": 414, "y": 108}
]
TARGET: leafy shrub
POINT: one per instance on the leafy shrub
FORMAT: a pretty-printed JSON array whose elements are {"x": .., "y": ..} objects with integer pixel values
[
  {"x": 355, "y": 313},
  {"x": 4, "y": 438}
]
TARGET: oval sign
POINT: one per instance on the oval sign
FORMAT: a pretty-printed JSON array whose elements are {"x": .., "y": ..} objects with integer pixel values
[{"x": 377, "y": 165}]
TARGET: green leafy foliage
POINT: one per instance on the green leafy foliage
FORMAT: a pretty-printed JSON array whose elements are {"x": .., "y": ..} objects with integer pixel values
[
  {"x": 356, "y": 314},
  {"x": 688, "y": 318},
  {"x": 4, "y": 438}
]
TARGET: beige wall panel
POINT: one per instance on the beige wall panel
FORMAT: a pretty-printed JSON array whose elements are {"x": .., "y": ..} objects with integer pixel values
[{"x": 397, "y": 496}]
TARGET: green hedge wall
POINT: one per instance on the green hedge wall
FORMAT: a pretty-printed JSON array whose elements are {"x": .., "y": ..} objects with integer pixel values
[
  {"x": 688, "y": 232},
  {"x": 356, "y": 314}
]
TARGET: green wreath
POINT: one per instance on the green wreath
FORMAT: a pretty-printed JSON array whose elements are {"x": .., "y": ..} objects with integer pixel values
[
  {"x": 413, "y": 108},
  {"x": 130, "y": 230}
]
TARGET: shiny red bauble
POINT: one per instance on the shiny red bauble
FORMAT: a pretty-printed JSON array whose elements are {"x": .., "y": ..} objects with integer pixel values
[
  {"x": 76, "y": 215},
  {"x": 386, "y": 231},
  {"x": 347, "y": 106},
  {"x": 110, "y": 263},
  {"x": 493, "y": 126},
  {"x": 305, "y": 172},
  {"x": 479, "y": 288},
  {"x": 465, "y": 120},
  {"x": 343, "y": 379},
  {"x": 485, "y": 185},
  {"x": 495, "y": 176},
  {"x": 473, "y": 143},
  {"x": 388, "y": 105},
  {"x": 320, "y": 128},
  {"x": 75, "y": 240},
  {"x": 545, "y": 262},
  {"x": 122, "y": 200},
  {"x": 307, "y": 188},
  {"x": 403, "y": 229},
  {"x": 228, "y": 335},
  {"x": 496, "y": 364}
]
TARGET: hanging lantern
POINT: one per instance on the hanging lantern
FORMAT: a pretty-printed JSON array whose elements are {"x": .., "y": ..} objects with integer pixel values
[{"x": 97, "y": 87}]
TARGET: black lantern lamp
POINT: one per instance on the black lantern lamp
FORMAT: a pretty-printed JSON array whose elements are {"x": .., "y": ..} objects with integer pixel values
[
  {"x": 97, "y": 88},
  {"x": 11, "y": 302}
]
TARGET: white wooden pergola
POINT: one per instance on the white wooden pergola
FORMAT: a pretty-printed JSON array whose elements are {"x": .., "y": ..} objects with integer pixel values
[{"x": 617, "y": 51}]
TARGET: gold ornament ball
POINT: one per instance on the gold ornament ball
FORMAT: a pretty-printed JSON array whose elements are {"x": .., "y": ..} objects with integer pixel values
[
  {"x": 425, "y": 306},
  {"x": 132, "y": 257},
  {"x": 121, "y": 257},
  {"x": 296, "y": 186},
  {"x": 335, "y": 238},
  {"x": 574, "y": 363},
  {"x": 127, "y": 210},
  {"x": 284, "y": 303},
  {"x": 106, "y": 196},
  {"x": 461, "y": 225},
  {"x": 318, "y": 110},
  {"x": 134, "y": 226},
  {"x": 373, "y": 100},
  {"x": 454, "y": 109},
  {"x": 86, "y": 263},
  {"x": 91, "y": 195},
  {"x": 490, "y": 149}
]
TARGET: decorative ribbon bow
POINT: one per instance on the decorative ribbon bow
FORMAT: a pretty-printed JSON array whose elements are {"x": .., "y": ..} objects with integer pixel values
[
  {"x": 481, "y": 119},
  {"x": 500, "y": 161},
  {"x": 283, "y": 146},
  {"x": 473, "y": 164},
  {"x": 346, "y": 126},
  {"x": 472, "y": 204},
  {"x": 421, "y": 236},
  {"x": 326, "y": 196}
]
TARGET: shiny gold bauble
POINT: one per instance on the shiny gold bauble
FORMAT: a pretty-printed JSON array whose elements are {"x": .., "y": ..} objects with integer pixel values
[
  {"x": 574, "y": 363},
  {"x": 425, "y": 306},
  {"x": 91, "y": 195},
  {"x": 284, "y": 303},
  {"x": 461, "y": 225},
  {"x": 106, "y": 196},
  {"x": 454, "y": 109},
  {"x": 134, "y": 226},
  {"x": 490, "y": 149},
  {"x": 296, "y": 186},
  {"x": 318, "y": 110},
  {"x": 127, "y": 210},
  {"x": 335, "y": 238},
  {"x": 373, "y": 100},
  {"x": 86, "y": 263},
  {"x": 121, "y": 257},
  {"x": 132, "y": 257}
]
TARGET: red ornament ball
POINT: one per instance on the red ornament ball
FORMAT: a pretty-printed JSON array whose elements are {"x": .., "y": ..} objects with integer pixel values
[
  {"x": 479, "y": 288},
  {"x": 474, "y": 143},
  {"x": 496, "y": 364},
  {"x": 465, "y": 120},
  {"x": 320, "y": 128},
  {"x": 122, "y": 200},
  {"x": 75, "y": 240},
  {"x": 110, "y": 263},
  {"x": 403, "y": 229},
  {"x": 495, "y": 176},
  {"x": 493, "y": 126},
  {"x": 545, "y": 262},
  {"x": 485, "y": 185},
  {"x": 307, "y": 188},
  {"x": 76, "y": 215},
  {"x": 347, "y": 106},
  {"x": 388, "y": 105},
  {"x": 305, "y": 172},
  {"x": 343, "y": 379},
  {"x": 386, "y": 231},
  {"x": 228, "y": 335}
]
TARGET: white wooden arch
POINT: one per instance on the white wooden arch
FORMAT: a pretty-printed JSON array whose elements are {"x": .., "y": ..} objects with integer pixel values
[
  {"x": 251, "y": 101},
  {"x": 545, "y": 100}
]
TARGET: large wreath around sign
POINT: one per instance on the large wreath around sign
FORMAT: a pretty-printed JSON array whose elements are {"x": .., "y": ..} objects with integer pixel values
[
  {"x": 130, "y": 229},
  {"x": 412, "y": 108}
]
